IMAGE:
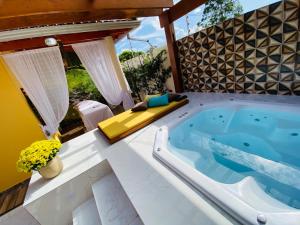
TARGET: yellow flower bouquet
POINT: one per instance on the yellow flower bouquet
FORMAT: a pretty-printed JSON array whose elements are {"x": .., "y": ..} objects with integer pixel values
[{"x": 37, "y": 155}]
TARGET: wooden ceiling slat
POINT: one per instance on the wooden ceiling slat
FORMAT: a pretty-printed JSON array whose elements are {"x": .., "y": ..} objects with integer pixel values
[
  {"x": 73, "y": 17},
  {"x": 132, "y": 4},
  {"x": 11, "y": 8}
]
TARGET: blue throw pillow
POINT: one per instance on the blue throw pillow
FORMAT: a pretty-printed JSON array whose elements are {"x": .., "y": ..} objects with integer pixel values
[{"x": 158, "y": 100}]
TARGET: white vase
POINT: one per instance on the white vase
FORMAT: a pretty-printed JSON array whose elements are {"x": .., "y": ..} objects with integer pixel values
[{"x": 52, "y": 169}]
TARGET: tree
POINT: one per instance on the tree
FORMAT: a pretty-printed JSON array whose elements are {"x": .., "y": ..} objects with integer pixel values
[
  {"x": 216, "y": 11},
  {"x": 127, "y": 54}
]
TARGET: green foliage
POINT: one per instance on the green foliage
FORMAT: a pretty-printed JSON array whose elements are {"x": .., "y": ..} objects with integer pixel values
[
  {"x": 149, "y": 77},
  {"x": 216, "y": 11},
  {"x": 81, "y": 87},
  {"x": 127, "y": 54}
]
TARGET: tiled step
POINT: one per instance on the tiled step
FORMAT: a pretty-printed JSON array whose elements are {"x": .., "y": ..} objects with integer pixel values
[
  {"x": 137, "y": 221},
  {"x": 86, "y": 214},
  {"x": 113, "y": 205}
]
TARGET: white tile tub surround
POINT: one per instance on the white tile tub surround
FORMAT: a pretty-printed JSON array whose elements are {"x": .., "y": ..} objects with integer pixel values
[
  {"x": 158, "y": 195},
  {"x": 154, "y": 189}
]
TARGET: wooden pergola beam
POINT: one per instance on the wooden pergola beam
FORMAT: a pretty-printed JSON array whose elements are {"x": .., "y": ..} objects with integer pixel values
[
  {"x": 132, "y": 4},
  {"x": 21, "y": 14},
  {"x": 73, "y": 17},
  {"x": 15, "y": 8},
  {"x": 182, "y": 8},
  {"x": 166, "y": 21},
  {"x": 65, "y": 39}
]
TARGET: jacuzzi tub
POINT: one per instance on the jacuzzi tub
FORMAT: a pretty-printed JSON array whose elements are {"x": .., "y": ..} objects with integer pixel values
[{"x": 244, "y": 156}]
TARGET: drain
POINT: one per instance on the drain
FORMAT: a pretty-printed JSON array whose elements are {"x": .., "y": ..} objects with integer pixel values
[
  {"x": 257, "y": 120},
  {"x": 294, "y": 134},
  {"x": 191, "y": 125},
  {"x": 220, "y": 116},
  {"x": 246, "y": 144}
]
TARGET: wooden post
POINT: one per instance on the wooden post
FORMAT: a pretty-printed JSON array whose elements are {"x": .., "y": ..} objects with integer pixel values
[
  {"x": 166, "y": 21},
  {"x": 172, "y": 50}
]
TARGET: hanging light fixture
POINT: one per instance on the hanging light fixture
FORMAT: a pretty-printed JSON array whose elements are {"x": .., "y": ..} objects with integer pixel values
[{"x": 50, "y": 41}]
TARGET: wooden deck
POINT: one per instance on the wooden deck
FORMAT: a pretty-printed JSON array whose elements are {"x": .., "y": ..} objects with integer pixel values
[{"x": 13, "y": 197}]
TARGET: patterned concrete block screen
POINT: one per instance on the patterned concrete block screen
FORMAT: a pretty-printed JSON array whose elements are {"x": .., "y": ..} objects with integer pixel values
[{"x": 258, "y": 52}]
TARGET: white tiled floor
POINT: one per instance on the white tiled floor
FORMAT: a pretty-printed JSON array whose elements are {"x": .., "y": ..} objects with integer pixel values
[{"x": 18, "y": 216}]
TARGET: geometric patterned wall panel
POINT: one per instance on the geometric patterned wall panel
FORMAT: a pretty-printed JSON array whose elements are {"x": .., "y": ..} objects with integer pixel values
[{"x": 258, "y": 52}]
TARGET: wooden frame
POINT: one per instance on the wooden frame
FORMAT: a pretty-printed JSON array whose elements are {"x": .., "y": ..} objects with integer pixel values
[
  {"x": 73, "y": 17},
  {"x": 166, "y": 21},
  {"x": 65, "y": 39},
  {"x": 20, "y": 14},
  {"x": 173, "y": 52},
  {"x": 46, "y": 31},
  {"x": 13, "y": 8},
  {"x": 13, "y": 197},
  {"x": 182, "y": 8}
]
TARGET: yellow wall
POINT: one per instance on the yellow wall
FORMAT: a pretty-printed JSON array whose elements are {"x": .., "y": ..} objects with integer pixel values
[{"x": 18, "y": 128}]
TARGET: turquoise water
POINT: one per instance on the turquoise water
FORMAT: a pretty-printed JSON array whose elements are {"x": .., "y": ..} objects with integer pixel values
[{"x": 229, "y": 144}]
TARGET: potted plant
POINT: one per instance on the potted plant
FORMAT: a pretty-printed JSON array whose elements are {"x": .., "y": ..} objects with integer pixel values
[{"x": 42, "y": 157}]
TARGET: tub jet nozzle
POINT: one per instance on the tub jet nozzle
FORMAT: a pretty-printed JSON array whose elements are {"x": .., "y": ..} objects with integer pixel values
[{"x": 261, "y": 219}]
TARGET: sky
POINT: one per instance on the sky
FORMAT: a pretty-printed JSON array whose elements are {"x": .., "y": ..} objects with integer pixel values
[{"x": 150, "y": 28}]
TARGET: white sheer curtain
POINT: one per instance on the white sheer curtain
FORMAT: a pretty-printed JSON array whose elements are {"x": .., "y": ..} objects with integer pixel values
[
  {"x": 99, "y": 58},
  {"x": 42, "y": 75}
]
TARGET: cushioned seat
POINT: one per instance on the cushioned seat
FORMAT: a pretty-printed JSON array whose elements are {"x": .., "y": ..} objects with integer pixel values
[{"x": 126, "y": 123}]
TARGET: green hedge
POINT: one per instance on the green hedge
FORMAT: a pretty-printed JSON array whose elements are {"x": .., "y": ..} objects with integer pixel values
[{"x": 81, "y": 86}]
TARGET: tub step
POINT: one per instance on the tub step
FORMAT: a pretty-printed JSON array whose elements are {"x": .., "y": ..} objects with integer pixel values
[
  {"x": 86, "y": 214},
  {"x": 249, "y": 190},
  {"x": 114, "y": 207}
]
